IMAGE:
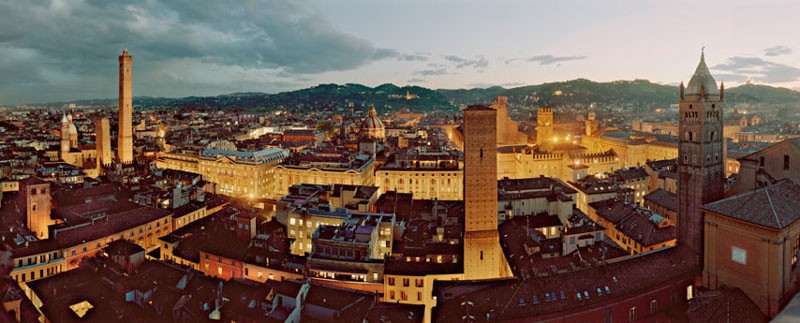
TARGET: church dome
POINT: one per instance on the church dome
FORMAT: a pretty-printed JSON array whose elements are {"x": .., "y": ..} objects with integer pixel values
[
  {"x": 72, "y": 128},
  {"x": 372, "y": 127},
  {"x": 702, "y": 81}
]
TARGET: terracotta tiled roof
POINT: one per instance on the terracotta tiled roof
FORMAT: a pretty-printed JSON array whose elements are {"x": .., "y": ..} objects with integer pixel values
[{"x": 775, "y": 206}]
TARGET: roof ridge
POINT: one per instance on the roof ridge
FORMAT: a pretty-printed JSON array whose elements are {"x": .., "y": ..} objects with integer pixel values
[{"x": 771, "y": 206}]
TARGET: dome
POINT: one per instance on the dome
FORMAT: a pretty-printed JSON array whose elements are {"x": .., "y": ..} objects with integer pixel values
[
  {"x": 702, "y": 81},
  {"x": 372, "y": 121},
  {"x": 72, "y": 129},
  {"x": 372, "y": 127}
]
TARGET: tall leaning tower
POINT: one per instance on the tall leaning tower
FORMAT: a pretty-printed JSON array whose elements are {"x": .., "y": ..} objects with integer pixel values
[
  {"x": 125, "y": 135},
  {"x": 483, "y": 257},
  {"x": 701, "y": 159}
]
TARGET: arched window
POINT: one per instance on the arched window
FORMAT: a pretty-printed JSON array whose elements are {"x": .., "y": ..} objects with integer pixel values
[{"x": 691, "y": 137}]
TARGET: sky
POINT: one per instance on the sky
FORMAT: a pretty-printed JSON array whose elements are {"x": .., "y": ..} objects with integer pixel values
[{"x": 62, "y": 50}]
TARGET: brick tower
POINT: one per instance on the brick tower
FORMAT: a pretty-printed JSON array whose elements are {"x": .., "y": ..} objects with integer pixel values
[
  {"x": 701, "y": 160},
  {"x": 483, "y": 257},
  {"x": 125, "y": 135},
  {"x": 544, "y": 129}
]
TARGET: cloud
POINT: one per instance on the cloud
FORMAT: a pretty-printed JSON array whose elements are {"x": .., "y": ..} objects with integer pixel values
[
  {"x": 759, "y": 70},
  {"x": 431, "y": 72},
  {"x": 777, "y": 50},
  {"x": 546, "y": 59},
  {"x": 488, "y": 85},
  {"x": 69, "y": 48},
  {"x": 417, "y": 80},
  {"x": 461, "y": 62},
  {"x": 383, "y": 53},
  {"x": 727, "y": 77}
]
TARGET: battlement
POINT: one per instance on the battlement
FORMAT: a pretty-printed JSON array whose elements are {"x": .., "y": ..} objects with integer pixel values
[
  {"x": 544, "y": 156},
  {"x": 602, "y": 157}
]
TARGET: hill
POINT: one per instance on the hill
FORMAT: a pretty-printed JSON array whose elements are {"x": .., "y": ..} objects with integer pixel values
[{"x": 636, "y": 95}]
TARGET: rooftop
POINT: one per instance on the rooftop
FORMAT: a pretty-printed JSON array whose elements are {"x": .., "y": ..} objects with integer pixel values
[{"x": 774, "y": 206}]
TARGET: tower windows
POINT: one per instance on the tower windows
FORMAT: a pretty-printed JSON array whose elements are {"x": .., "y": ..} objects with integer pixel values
[
  {"x": 785, "y": 162},
  {"x": 690, "y": 106}
]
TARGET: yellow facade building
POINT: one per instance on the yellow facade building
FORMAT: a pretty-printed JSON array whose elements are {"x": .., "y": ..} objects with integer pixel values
[
  {"x": 234, "y": 173},
  {"x": 313, "y": 168}
]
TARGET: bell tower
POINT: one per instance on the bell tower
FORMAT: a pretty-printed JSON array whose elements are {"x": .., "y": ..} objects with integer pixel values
[{"x": 701, "y": 159}]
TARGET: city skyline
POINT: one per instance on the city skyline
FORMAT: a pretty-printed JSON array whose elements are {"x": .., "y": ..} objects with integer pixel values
[{"x": 60, "y": 51}]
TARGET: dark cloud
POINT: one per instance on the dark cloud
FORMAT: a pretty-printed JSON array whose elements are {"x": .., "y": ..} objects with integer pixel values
[
  {"x": 431, "y": 72},
  {"x": 461, "y": 62},
  {"x": 547, "y": 59},
  {"x": 777, "y": 51},
  {"x": 417, "y": 80},
  {"x": 383, "y": 53},
  {"x": 69, "y": 48},
  {"x": 759, "y": 70}
]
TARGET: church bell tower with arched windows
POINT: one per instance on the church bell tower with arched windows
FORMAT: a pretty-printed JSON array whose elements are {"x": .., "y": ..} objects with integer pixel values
[{"x": 701, "y": 157}]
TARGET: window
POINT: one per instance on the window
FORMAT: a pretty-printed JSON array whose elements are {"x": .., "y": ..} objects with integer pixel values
[
  {"x": 785, "y": 162},
  {"x": 419, "y": 296},
  {"x": 246, "y": 272},
  {"x": 689, "y": 292},
  {"x": 391, "y": 294},
  {"x": 632, "y": 314},
  {"x": 739, "y": 255},
  {"x": 420, "y": 282},
  {"x": 653, "y": 306},
  {"x": 219, "y": 271},
  {"x": 405, "y": 282},
  {"x": 403, "y": 295},
  {"x": 391, "y": 281},
  {"x": 761, "y": 161}
]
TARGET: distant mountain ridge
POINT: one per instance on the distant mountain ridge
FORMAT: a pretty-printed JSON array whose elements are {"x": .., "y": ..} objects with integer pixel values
[{"x": 637, "y": 95}]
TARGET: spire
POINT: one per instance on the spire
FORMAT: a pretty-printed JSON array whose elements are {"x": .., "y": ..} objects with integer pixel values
[
  {"x": 702, "y": 82},
  {"x": 703, "y": 55},
  {"x": 64, "y": 118}
]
